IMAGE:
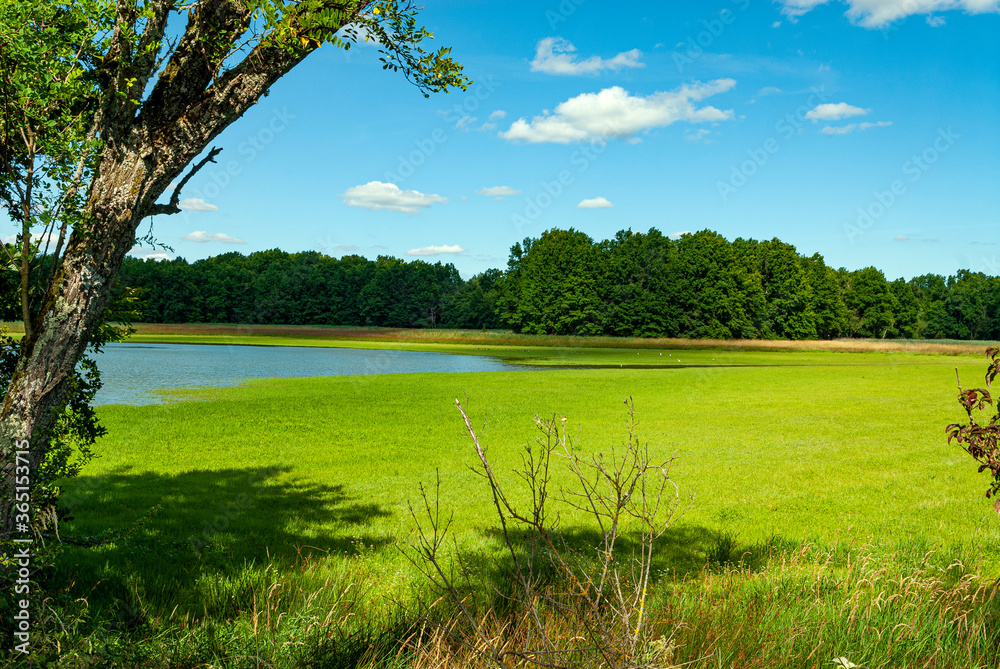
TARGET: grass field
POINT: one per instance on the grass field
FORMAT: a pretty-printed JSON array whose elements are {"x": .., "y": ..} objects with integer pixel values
[{"x": 820, "y": 452}]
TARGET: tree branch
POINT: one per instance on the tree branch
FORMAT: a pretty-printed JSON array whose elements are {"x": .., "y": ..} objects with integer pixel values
[{"x": 172, "y": 207}]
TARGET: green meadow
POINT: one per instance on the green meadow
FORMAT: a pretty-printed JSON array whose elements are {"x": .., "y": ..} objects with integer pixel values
[{"x": 823, "y": 456}]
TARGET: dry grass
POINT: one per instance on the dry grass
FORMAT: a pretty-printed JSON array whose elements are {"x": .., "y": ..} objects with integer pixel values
[
  {"x": 504, "y": 338},
  {"x": 799, "y": 610},
  {"x": 507, "y": 338}
]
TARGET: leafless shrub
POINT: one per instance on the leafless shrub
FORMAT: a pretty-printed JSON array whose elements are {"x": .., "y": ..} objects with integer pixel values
[{"x": 566, "y": 602}]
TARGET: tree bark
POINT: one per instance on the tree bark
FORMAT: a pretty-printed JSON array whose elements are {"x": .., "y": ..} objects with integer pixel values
[{"x": 143, "y": 153}]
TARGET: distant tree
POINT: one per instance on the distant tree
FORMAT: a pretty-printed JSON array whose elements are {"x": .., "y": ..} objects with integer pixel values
[
  {"x": 828, "y": 305},
  {"x": 635, "y": 285},
  {"x": 717, "y": 296},
  {"x": 474, "y": 304},
  {"x": 788, "y": 293},
  {"x": 967, "y": 306},
  {"x": 931, "y": 292},
  {"x": 906, "y": 319},
  {"x": 870, "y": 303},
  {"x": 556, "y": 284}
]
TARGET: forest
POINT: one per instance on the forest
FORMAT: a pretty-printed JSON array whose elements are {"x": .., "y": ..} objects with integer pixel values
[{"x": 563, "y": 282}]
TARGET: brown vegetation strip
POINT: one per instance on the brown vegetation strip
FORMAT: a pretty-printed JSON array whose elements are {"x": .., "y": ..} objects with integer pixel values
[
  {"x": 502, "y": 338},
  {"x": 505, "y": 338}
]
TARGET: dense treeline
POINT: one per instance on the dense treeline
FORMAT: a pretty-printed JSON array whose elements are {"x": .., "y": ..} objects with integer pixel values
[
  {"x": 701, "y": 285},
  {"x": 563, "y": 282},
  {"x": 274, "y": 287}
]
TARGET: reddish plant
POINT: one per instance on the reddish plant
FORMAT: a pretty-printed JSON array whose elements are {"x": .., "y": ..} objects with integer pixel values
[{"x": 981, "y": 440}]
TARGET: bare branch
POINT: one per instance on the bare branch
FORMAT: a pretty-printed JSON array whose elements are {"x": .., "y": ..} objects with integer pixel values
[{"x": 173, "y": 206}]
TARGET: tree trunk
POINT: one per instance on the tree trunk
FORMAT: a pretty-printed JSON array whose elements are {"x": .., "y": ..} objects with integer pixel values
[
  {"x": 143, "y": 153},
  {"x": 70, "y": 312},
  {"x": 147, "y": 143}
]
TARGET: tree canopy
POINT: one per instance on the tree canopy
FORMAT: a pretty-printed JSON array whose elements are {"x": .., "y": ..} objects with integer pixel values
[{"x": 563, "y": 282}]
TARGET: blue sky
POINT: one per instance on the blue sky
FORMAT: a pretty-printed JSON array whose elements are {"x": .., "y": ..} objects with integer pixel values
[{"x": 865, "y": 130}]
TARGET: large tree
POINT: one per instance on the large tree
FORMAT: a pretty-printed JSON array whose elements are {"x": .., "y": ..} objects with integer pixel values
[{"x": 102, "y": 109}]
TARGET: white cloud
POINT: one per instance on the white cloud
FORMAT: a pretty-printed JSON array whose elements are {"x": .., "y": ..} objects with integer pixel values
[
  {"x": 902, "y": 238},
  {"x": 379, "y": 195},
  {"x": 698, "y": 135},
  {"x": 613, "y": 112},
  {"x": 40, "y": 240},
  {"x": 935, "y": 21},
  {"x": 554, "y": 55},
  {"x": 678, "y": 235},
  {"x": 196, "y": 204},
  {"x": 764, "y": 92},
  {"x": 847, "y": 129},
  {"x": 595, "y": 203},
  {"x": 202, "y": 236},
  {"x": 835, "y": 111},
  {"x": 879, "y": 13},
  {"x": 498, "y": 192},
  {"x": 424, "y": 251},
  {"x": 490, "y": 122},
  {"x": 464, "y": 122},
  {"x": 158, "y": 257}
]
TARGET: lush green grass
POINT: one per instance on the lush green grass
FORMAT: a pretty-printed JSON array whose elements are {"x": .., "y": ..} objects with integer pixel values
[
  {"x": 841, "y": 449},
  {"x": 834, "y": 451}
]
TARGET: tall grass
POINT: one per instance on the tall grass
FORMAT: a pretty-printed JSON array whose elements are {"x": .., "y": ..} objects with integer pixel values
[{"x": 769, "y": 606}]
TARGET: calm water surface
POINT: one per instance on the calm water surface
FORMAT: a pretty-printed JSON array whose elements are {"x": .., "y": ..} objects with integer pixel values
[{"x": 131, "y": 372}]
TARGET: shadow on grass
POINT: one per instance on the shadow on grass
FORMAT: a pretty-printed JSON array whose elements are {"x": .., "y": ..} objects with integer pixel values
[
  {"x": 683, "y": 550},
  {"x": 167, "y": 531}
]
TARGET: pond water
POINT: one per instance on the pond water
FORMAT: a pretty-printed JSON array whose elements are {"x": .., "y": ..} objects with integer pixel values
[{"x": 131, "y": 372}]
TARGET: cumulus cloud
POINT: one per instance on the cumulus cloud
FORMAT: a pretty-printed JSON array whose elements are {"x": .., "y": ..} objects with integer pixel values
[
  {"x": 379, "y": 195},
  {"x": 158, "y": 257},
  {"x": 835, "y": 111},
  {"x": 202, "y": 236},
  {"x": 614, "y": 112},
  {"x": 40, "y": 240},
  {"x": 595, "y": 203},
  {"x": 425, "y": 251},
  {"x": 678, "y": 235},
  {"x": 847, "y": 129},
  {"x": 554, "y": 55},
  {"x": 196, "y": 204},
  {"x": 498, "y": 192},
  {"x": 879, "y": 13}
]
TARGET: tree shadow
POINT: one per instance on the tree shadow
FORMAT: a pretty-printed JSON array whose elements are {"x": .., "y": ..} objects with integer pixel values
[
  {"x": 682, "y": 551},
  {"x": 168, "y": 531}
]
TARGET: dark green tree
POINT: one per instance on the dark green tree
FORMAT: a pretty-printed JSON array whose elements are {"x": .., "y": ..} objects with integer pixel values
[
  {"x": 871, "y": 305},
  {"x": 556, "y": 285},
  {"x": 828, "y": 305}
]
